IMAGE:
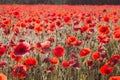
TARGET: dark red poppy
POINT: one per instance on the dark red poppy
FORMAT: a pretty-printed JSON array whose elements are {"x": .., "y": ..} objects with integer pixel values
[
  {"x": 3, "y": 63},
  {"x": 19, "y": 71},
  {"x": 22, "y": 48},
  {"x": 113, "y": 60},
  {"x": 89, "y": 63}
]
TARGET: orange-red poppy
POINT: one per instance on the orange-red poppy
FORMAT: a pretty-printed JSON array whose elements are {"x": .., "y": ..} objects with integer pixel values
[
  {"x": 54, "y": 61},
  {"x": 16, "y": 58},
  {"x": 116, "y": 35},
  {"x": 3, "y": 77},
  {"x": 70, "y": 40},
  {"x": 96, "y": 55},
  {"x": 103, "y": 29},
  {"x": 84, "y": 52},
  {"x": 114, "y": 78},
  {"x": 30, "y": 62}
]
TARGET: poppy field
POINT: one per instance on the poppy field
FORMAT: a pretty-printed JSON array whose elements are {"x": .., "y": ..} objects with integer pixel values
[{"x": 59, "y": 42}]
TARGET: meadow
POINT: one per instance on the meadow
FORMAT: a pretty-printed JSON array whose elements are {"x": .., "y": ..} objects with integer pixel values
[{"x": 59, "y": 42}]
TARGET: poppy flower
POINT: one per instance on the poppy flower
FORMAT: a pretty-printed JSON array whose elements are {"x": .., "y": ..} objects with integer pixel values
[
  {"x": 67, "y": 19},
  {"x": 84, "y": 52},
  {"x": 19, "y": 71},
  {"x": 106, "y": 18},
  {"x": 84, "y": 29},
  {"x": 103, "y": 29},
  {"x": 114, "y": 78},
  {"x": 113, "y": 60},
  {"x": 23, "y": 25},
  {"x": 2, "y": 64},
  {"x": 72, "y": 62},
  {"x": 65, "y": 64},
  {"x": 38, "y": 28},
  {"x": 106, "y": 70},
  {"x": 116, "y": 35},
  {"x": 22, "y": 48},
  {"x": 2, "y": 50},
  {"x": 54, "y": 61},
  {"x": 43, "y": 47},
  {"x": 73, "y": 56},
  {"x": 3, "y": 77},
  {"x": 96, "y": 55},
  {"x": 89, "y": 63},
  {"x": 103, "y": 38},
  {"x": 70, "y": 40},
  {"x": 30, "y": 62},
  {"x": 59, "y": 51},
  {"x": 51, "y": 69},
  {"x": 16, "y": 58},
  {"x": 46, "y": 60}
]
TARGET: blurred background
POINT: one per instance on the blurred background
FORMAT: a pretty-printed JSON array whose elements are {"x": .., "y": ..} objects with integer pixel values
[{"x": 71, "y": 2}]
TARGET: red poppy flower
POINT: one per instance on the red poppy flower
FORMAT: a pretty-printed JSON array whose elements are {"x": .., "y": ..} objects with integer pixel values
[
  {"x": 106, "y": 70},
  {"x": 84, "y": 52},
  {"x": 19, "y": 71},
  {"x": 21, "y": 49},
  {"x": 54, "y": 61},
  {"x": 30, "y": 62},
  {"x": 113, "y": 60},
  {"x": 43, "y": 47},
  {"x": 103, "y": 29},
  {"x": 116, "y": 35},
  {"x": 2, "y": 50},
  {"x": 84, "y": 29},
  {"x": 67, "y": 19},
  {"x": 96, "y": 55},
  {"x": 106, "y": 18},
  {"x": 89, "y": 63},
  {"x": 114, "y": 78},
  {"x": 65, "y": 64},
  {"x": 23, "y": 25},
  {"x": 16, "y": 58},
  {"x": 103, "y": 38},
  {"x": 59, "y": 51},
  {"x": 3, "y": 77},
  {"x": 70, "y": 40},
  {"x": 38, "y": 28},
  {"x": 51, "y": 69}
]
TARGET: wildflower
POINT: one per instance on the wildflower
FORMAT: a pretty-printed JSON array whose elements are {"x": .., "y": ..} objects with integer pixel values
[{"x": 59, "y": 51}]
